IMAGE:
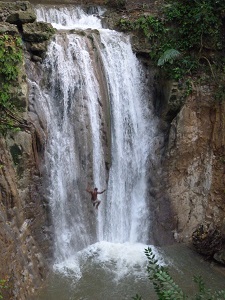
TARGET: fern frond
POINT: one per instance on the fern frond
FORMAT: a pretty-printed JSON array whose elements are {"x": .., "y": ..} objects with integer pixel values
[
  {"x": 163, "y": 283},
  {"x": 168, "y": 56},
  {"x": 166, "y": 288}
]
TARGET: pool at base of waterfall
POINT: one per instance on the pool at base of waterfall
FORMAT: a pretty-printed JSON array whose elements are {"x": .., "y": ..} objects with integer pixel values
[{"x": 108, "y": 271}]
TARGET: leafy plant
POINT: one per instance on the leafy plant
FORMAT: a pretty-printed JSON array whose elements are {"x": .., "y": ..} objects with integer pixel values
[
  {"x": 166, "y": 288},
  {"x": 150, "y": 25},
  {"x": 10, "y": 61},
  {"x": 185, "y": 38},
  {"x": 2, "y": 286},
  {"x": 168, "y": 56}
]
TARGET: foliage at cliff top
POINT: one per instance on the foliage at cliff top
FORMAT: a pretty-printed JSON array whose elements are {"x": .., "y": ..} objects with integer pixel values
[
  {"x": 187, "y": 38},
  {"x": 10, "y": 60},
  {"x": 167, "y": 289}
]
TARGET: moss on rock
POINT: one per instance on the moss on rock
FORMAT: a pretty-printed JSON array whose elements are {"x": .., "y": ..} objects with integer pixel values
[
  {"x": 37, "y": 32},
  {"x": 21, "y": 17}
]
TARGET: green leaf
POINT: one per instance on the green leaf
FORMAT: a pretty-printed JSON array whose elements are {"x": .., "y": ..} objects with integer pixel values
[{"x": 168, "y": 56}]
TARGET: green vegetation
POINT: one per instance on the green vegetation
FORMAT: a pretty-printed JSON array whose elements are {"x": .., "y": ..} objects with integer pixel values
[
  {"x": 187, "y": 39},
  {"x": 10, "y": 61},
  {"x": 167, "y": 289},
  {"x": 2, "y": 286}
]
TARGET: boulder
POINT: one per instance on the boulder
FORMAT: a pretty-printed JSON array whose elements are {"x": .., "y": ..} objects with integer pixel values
[
  {"x": 6, "y": 28},
  {"x": 38, "y": 48},
  {"x": 21, "y": 17},
  {"x": 11, "y": 8},
  {"x": 119, "y": 4},
  {"x": 207, "y": 240},
  {"x": 37, "y": 32},
  {"x": 220, "y": 256}
]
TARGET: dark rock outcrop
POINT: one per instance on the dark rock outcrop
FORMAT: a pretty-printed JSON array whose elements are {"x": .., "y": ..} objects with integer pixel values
[
  {"x": 21, "y": 17},
  {"x": 16, "y": 8},
  {"x": 37, "y": 35},
  {"x": 207, "y": 240},
  {"x": 220, "y": 256},
  {"x": 6, "y": 28}
]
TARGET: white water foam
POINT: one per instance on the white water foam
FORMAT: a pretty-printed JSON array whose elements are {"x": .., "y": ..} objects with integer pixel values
[
  {"x": 118, "y": 259},
  {"x": 69, "y": 17}
]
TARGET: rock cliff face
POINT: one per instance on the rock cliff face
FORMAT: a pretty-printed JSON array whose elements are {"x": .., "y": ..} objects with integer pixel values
[
  {"x": 194, "y": 164},
  {"x": 23, "y": 218},
  {"x": 24, "y": 239}
]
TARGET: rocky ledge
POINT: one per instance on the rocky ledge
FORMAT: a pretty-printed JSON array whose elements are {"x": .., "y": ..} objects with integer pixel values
[
  {"x": 19, "y": 18},
  {"x": 209, "y": 241}
]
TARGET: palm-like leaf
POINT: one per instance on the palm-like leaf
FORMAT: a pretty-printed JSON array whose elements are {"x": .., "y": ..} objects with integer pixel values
[{"x": 168, "y": 56}]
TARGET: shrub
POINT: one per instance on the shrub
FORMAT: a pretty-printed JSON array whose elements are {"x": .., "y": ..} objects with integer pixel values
[
  {"x": 190, "y": 31},
  {"x": 166, "y": 288}
]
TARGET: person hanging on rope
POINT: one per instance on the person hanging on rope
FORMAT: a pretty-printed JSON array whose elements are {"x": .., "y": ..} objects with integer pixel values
[{"x": 94, "y": 194}]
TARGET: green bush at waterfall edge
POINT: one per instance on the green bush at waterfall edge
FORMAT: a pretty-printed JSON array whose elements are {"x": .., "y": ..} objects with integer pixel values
[{"x": 167, "y": 289}]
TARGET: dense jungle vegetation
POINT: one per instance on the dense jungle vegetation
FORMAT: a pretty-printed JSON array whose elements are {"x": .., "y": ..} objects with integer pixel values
[{"x": 187, "y": 40}]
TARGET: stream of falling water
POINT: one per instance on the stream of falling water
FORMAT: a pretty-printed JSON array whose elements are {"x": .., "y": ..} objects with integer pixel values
[{"x": 109, "y": 242}]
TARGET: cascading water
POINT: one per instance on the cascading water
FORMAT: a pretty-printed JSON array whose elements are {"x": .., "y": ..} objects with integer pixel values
[
  {"x": 63, "y": 157},
  {"x": 87, "y": 75},
  {"x": 127, "y": 213},
  {"x": 69, "y": 17}
]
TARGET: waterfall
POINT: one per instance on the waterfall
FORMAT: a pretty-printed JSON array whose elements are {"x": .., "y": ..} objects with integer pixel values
[
  {"x": 69, "y": 17},
  {"x": 86, "y": 75},
  {"x": 127, "y": 213}
]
